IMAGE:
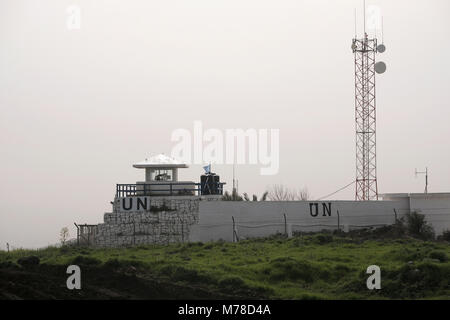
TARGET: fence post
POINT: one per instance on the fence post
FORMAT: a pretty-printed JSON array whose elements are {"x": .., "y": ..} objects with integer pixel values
[
  {"x": 235, "y": 235},
  {"x": 285, "y": 225},
  {"x": 182, "y": 231},
  {"x": 395, "y": 214},
  {"x": 233, "y": 228},
  {"x": 89, "y": 234},
  {"x": 339, "y": 221},
  {"x": 78, "y": 234}
]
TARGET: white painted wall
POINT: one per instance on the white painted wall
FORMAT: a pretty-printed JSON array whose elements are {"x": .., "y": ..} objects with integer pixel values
[
  {"x": 257, "y": 219},
  {"x": 435, "y": 207}
]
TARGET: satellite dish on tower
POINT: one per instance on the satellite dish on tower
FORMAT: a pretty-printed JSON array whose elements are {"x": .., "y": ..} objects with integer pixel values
[
  {"x": 380, "y": 67},
  {"x": 381, "y": 48}
]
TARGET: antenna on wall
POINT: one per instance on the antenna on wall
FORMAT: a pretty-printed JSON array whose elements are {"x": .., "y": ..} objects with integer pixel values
[{"x": 426, "y": 178}]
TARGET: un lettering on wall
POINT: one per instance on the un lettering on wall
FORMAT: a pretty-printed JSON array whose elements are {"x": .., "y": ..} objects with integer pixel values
[{"x": 134, "y": 204}]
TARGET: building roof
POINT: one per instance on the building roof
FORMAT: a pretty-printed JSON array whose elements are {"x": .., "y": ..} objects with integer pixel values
[{"x": 160, "y": 161}]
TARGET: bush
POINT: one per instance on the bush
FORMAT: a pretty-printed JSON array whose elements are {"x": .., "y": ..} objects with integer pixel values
[
  {"x": 418, "y": 227},
  {"x": 439, "y": 255},
  {"x": 29, "y": 261},
  {"x": 286, "y": 268},
  {"x": 416, "y": 281},
  {"x": 235, "y": 284},
  {"x": 445, "y": 236},
  {"x": 179, "y": 273},
  {"x": 85, "y": 261},
  {"x": 406, "y": 254},
  {"x": 113, "y": 264},
  {"x": 323, "y": 238},
  {"x": 7, "y": 264},
  {"x": 120, "y": 265},
  {"x": 395, "y": 231}
]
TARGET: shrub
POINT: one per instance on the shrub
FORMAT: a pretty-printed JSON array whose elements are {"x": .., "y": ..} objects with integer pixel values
[
  {"x": 406, "y": 254},
  {"x": 439, "y": 255},
  {"x": 120, "y": 265},
  {"x": 112, "y": 264},
  {"x": 179, "y": 273},
  {"x": 297, "y": 242},
  {"x": 323, "y": 238},
  {"x": 418, "y": 227},
  {"x": 235, "y": 284},
  {"x": 192, "y": 245},
  {"x": 445, "y": 236},
  {"x": 65, "y": 249},
  {"x": 29, "y": 261},
  {"x": 416, "y": 281},
  {"x": 287, "y": 268},
  {"x": 85, "y": 261},
  {"x": 7, "y": 264},
  {"x": 397, "y": 230}
]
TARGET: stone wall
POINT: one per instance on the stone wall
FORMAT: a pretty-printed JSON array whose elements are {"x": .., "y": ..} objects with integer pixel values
[{"x": 167, "y": 220}]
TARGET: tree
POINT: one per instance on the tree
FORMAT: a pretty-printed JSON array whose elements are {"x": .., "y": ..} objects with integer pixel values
[
  {"x": 279, "y": 192},
  {"x": 418, "y": 227},
  {"x": 234, "y": 196},
  {"x": 64, "y": 235},
  {"x": 304, "y": 194},
  {"x": 255, "y": 197}
]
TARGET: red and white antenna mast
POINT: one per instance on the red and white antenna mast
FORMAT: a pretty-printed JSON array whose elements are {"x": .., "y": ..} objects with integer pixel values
[{"x": 366, "y": 67}]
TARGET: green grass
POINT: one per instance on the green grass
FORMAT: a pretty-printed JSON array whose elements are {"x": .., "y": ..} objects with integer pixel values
[{"x": 310, "y": 267}]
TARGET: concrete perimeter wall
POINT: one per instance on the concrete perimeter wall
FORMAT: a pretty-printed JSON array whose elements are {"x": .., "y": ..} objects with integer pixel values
[
  {"x": 258, "y": 219},
  {"x": 435, "y": 207},
  {"x": 164, "y": 220}
]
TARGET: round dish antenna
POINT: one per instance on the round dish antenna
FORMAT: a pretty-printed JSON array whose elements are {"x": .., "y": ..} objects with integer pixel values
[
  {"x": 381, "y": 48},
  {"x": 380, "y": 67}
]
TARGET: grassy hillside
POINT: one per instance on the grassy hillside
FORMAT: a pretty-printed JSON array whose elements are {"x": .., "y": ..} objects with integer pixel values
[{"x": 320, "y": 266}]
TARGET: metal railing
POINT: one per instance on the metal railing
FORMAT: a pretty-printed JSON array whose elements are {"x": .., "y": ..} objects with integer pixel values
[{"x": 164, "y": 189}]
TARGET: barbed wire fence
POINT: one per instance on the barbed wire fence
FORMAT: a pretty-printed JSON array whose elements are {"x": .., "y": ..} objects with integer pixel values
[
  {"x": 288, "y": 226},
  {"x": 177, "y": 230}
]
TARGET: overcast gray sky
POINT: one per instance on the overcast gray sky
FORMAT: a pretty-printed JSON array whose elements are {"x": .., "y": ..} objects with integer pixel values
[{"x": 78, "y": 107}]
